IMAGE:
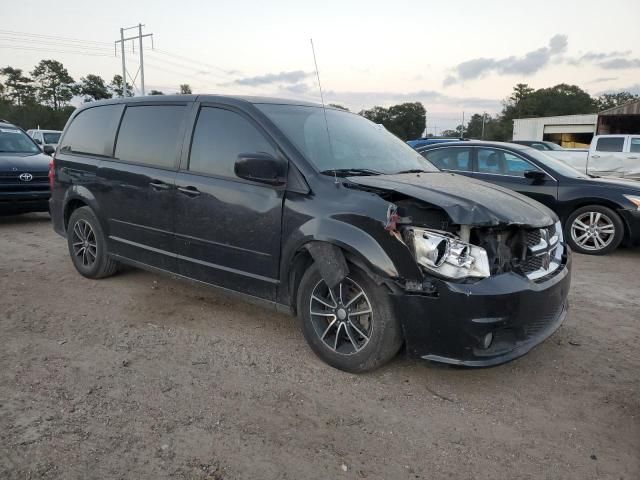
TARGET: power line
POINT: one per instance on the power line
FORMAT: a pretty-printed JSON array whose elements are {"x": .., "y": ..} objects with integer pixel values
[
  {"x": 52, "y": 50},
  {"x": 54, "y": 37}
]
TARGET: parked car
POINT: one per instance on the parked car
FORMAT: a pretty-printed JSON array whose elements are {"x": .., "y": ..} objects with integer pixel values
[
  {"x": 47, "y": 139},
  {"x": 607, "y": 156},
  {"x": 597, "y": 213},
  {"x": 319, "y": 213},
  {"x": 24, "y": 169},
  {"x": 541, "y": 145},
  {"x": 423, "y": 142},
  {"x": 615, "y": 156}
]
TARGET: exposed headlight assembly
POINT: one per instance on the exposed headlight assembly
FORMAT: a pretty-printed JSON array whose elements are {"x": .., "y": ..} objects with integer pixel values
[
  {"x": 635, "y": 199},
  {"x": 448, "y": 256}
]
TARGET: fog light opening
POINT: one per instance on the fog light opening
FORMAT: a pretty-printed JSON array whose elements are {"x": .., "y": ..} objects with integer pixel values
[{"x": 487, "y": 340}]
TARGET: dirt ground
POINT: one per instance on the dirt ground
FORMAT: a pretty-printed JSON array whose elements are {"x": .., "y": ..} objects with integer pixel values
[{"x": 145, "y": 377}]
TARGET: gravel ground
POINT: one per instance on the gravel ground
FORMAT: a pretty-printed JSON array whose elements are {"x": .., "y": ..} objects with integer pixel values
[{"x": 143, "y": 376}]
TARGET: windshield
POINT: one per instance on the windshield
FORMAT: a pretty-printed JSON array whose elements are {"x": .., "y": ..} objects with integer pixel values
[
  {"x": 13, "y": 140},
  {"x": 555, "y": 164},
  {"x": 51, "y": 137},
  {"x": 356, "y": 143}
]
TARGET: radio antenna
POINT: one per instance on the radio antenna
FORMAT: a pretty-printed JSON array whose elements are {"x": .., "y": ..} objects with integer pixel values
[{"x": 324, "y": 108}]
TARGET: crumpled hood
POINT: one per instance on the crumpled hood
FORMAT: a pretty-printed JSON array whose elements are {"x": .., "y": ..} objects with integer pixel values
[
  {"x": 466, "y": 200},
  {"x": 16, "y": 162}
]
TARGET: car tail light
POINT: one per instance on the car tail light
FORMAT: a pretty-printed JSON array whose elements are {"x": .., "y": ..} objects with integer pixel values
[{"x": 52, "y": 174}]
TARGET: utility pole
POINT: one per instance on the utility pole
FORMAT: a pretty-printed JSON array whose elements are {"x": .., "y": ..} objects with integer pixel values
[
  {"x": 138, "y": 37},
  {"x": 484, "y": 115},
  {"x": 462, "y": 130}
]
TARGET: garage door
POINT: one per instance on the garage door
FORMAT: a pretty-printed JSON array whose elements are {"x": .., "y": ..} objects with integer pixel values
[{"x": 569, "y": 129}]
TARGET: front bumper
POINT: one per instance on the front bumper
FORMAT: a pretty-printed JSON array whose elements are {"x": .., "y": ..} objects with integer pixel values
[
  {"x": 631, "y": 219},
  {"x": 450, "y": 326},
  {"x": 24, "y": 201}
]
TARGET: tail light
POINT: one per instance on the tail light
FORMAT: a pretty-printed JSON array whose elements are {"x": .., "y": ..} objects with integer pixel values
[{"x": 52, "y": 172}]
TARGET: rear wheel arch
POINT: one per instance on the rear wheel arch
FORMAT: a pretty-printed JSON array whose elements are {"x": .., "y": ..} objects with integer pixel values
[{"x": 71, "y": 206}]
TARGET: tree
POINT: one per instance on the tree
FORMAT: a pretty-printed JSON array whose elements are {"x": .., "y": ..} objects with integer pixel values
[
  {"x": 406, "y": 120},
  {"x": 116, "y": 87},
  {"x": 339, "y": 107},
  {"x": 610, "y": 100},
  {"x": 449, "y": 133},
  {"x": 156, "y": 92},
  {"x": 185, "y": 89},
  {"x": 18, "y": 88},
  {"x": 55, "y": 86},
  {"x": 93, "y": 88}
]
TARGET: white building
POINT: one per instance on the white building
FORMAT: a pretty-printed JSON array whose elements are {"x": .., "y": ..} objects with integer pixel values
[{"x": 570, "y": 131}]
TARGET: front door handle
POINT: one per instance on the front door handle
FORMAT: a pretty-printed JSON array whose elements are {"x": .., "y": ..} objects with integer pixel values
[
  {"x": 189, "y": 191},
  {"x": 633, "y": 158},
  {"x": 595, "y": 156},
  {"x": 158, "y": 185}
]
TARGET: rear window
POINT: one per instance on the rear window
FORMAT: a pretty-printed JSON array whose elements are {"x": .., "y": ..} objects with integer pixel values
[
  {"x": 150, "y": 135},
  {"x": 453, "y": 158},
  {"x": 614, "y": 144},
  {"x": 92, "y": 131}
]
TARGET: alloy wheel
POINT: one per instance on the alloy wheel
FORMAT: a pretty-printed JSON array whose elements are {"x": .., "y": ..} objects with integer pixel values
[
  {"x": 342, "y": 317},
  {"x": 84, "y": 243},
  {"x": 593, "y": 231}
]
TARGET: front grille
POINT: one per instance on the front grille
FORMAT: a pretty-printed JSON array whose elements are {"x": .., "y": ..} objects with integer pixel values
[{"x": 543, "y": 253}]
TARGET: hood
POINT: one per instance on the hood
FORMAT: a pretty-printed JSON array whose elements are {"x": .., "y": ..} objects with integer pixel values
[
  {"x": 467, "y": 201},
  {"x": 24, "y": 162}
]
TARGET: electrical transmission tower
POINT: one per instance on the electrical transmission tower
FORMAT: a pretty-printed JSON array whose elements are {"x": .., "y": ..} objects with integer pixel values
[{"x": 138, "y": 37}]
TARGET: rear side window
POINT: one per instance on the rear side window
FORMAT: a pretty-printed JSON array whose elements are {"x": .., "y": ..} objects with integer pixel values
[
  {"x": 92, "y": 131},
  {"x": 219, "y": 137},
  {"x": 614, "y": 144},
  {"x": 634, "y": 147},
  {"x": 151, "y": 135},
  {"x": 450, "y": 158}
]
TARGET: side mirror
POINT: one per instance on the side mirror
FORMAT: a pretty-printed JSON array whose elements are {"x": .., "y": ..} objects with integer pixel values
[
  {"x": 262, "y": 168},
  {"x": 535, "y": 175},
  {"x": 48, "y": 149}
]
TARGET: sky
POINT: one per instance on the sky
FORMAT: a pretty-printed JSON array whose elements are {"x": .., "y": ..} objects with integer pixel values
[{"x": 453, "y": 57}]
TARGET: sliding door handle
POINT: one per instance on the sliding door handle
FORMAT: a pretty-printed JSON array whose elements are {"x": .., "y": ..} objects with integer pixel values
[
  {"x": 158, "y": 185},
  {"x": 189, "y": 191}
]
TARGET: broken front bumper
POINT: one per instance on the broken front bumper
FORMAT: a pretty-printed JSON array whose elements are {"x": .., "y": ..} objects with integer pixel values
[{"x": 453, "y": 325}]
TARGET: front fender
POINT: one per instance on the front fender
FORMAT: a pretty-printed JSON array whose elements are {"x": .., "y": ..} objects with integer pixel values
[{"x": 364, "y": 238}]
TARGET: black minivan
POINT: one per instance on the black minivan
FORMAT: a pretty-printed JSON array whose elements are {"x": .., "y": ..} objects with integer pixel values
[{"x": 314, "y": 211}]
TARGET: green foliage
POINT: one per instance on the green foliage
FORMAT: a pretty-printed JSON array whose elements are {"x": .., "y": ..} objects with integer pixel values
[
  {"x": 156, "y": 92},
  {"x": 18, "y": 88},
  {"x": 339, "y": 107},
  {"x": 93, "y": 87},
  {"x": 610, "y": 100},
  {"x": 185, "y": 89},
  {"x": 33, "y": 115},
  {"x": 406, "y": 120},
  {"x": 54, "y": 84},
  {"x": 116, "y": 87}
]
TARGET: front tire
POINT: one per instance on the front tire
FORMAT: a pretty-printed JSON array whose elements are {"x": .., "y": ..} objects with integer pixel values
[
  {"x": 351, "y": 327},
  {"x": 88, "y": 245},
  {"x": 594, "y": 230}
]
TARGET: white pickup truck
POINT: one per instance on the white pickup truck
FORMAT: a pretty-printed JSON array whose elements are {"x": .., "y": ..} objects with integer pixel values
[{"x": 608, "y": 156}]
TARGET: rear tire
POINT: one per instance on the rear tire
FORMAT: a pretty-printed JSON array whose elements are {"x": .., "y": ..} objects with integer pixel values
[
  {"x": 594, "y": 230},
  {"x": 352, "y": 328},
  {"x": 88, "y": 245}
]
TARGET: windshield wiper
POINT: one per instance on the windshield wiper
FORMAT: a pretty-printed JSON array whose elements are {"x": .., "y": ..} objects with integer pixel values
[
  {"x": 350, "y": 172},
  {"x": 413, "y": 170}
]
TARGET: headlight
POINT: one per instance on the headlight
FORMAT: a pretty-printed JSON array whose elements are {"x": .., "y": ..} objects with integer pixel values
[
  {"x": 447, "y": 256},
  {"x": 635, "y": 199}
]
